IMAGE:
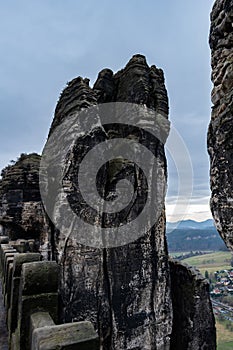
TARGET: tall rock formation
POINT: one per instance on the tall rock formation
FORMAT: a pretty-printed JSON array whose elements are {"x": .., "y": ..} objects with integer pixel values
[
  {"x": 220, "y": 135},
  {"x": 126, "y": 290},
  {"x": 193, "y": 319},
  {"x": 136, "y": 298},
  {"x": 21, "y": 212}
]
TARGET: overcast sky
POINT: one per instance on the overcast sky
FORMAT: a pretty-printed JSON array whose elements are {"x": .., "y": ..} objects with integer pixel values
[{"x": 46, "y": 43}]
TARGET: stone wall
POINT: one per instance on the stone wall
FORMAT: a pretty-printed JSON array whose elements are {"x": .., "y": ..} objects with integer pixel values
[
  {"x": 220, "y": 139},
  {"x": 31, "y": 302},
  {"x": 30, "y": 293}
]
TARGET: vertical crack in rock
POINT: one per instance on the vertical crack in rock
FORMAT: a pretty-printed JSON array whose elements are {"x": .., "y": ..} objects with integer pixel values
[
  {"x": 124, "y": 291},
  {"x": 220, "y": 139}
]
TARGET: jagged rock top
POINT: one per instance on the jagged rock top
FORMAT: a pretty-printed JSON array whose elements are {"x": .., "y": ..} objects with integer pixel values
[
  {"x": 22, "y": 175},
  {"x": 21, "y": 212},
  {"x": 221, "y": 24},
  {"x": 123, "y": 290},
  {"x": 136, "y": 83}
]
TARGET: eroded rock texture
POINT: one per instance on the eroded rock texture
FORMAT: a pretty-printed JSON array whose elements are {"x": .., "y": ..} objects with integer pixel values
[
  {"x": 21, "y": 210},
  {"x": 125, "y": 291},
  {"x": 193, "y": 319},
  {"x": 220, "y": 135}
]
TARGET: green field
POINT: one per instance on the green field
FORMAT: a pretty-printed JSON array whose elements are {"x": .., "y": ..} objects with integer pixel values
[
  {"x": 210, "y": 262},
  {"x": 172, "y": 254},
  {"x": 225, "y": 346},
  {"x": 215, "y": 262},
  {"x": 224, "y": 336}
]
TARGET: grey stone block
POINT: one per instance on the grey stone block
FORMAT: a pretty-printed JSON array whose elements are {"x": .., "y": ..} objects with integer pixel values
[
  {"x": 8, "y": 285},
  {"x": 70, "y": 336},
  {"x": 21, "y": 245},
  {"x": 13, "y": 310},
  {"x": 38, "y": 292},
  {"x": 31, "y": 245},
  {"x": 19, "y": 260},
  {"x": 13, "y": 342},
  {"x": 4, "y": 240},
  {"x": 24, "y": 258},
  {"x": 39, "y": 320},
  {"x": 8, "y": 259},
  {"x": 30, "y": 304},
  {"x": 4, "y": 248},
  {"x": 39, "y": 277}
]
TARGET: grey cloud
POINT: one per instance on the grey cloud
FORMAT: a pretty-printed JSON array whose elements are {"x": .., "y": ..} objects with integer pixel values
[{"x": 45, "y": 44}]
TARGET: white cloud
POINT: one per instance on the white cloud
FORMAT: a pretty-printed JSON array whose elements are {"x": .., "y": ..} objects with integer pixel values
[{"x": 197, "y": 209}]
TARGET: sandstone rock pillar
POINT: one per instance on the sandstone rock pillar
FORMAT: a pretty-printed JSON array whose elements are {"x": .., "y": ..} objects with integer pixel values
[{"x": 220, "y": 134}]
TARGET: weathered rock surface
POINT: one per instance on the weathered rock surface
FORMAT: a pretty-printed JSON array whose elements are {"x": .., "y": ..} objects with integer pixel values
[
  {"x": 193, "y": 319},
  {"x": 129, "y": 292},
  {"x": 125, "y": 291},
  {"x": 21, "y": 210},
  {"x": 220, "y": 135}
]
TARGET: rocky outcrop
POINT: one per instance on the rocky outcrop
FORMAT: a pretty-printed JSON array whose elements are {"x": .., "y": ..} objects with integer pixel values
[
  {"x": 134, "y": 297},
  {"x": 125, "y": 290},
  {"x": 220, "y": 140},
  {"x": 193, "y": 319},
  {"x": 21, "y": 210}
]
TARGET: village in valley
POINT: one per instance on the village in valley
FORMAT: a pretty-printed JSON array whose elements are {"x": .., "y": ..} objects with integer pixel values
[
  {"x": 217, "y": 267},
  {"x": 221, "y": 291}
]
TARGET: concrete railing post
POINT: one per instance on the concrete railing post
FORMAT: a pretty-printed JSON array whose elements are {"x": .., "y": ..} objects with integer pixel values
[
  {"x": 19, "y": 260},
  {"x": 45, "y": 335},
  {"x": 38, "y": 292},
  {"x": 31, "y": 299}
]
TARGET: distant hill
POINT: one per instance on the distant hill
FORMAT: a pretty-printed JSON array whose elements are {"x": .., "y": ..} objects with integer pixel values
[
  {"x": 190, "y": 224},
  {"x": 190, "y": 235}
]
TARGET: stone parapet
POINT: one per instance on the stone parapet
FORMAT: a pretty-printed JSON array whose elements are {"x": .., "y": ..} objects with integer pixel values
[{"x": 31, "y": 301}]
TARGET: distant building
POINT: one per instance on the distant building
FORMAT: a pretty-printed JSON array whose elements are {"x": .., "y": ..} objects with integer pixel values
[{"x": 216, "y": 292}]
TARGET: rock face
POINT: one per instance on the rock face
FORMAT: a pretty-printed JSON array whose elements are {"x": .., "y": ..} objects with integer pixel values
[
  {"x": 21, "y": 211},
  {"x": 134, "y": 297},
  {"x": 193, "y": 319},
  {"x": 220, "y": 139},
  {"x": 125, "y": 291}
]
